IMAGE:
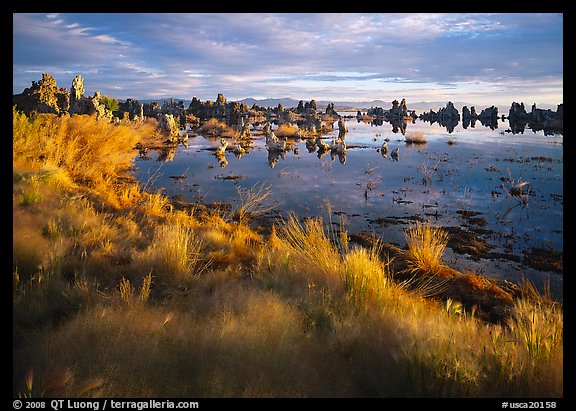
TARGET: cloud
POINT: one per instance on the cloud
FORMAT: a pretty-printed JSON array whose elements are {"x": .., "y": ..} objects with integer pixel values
[{"x": 270, "y": 54}]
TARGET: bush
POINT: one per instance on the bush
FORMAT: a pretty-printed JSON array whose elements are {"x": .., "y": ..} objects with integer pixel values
[
  {"x": 88, "y": 149},
  {"x": 110, "y": 103}
]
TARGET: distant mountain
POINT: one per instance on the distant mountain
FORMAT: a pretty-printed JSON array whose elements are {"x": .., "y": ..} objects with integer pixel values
[
  {"x": 162, "y": 99},
  {"x": 287, "y": 102}
]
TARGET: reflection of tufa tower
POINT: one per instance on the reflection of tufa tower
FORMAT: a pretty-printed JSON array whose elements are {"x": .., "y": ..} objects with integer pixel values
[{"x": 342, "y": 130}]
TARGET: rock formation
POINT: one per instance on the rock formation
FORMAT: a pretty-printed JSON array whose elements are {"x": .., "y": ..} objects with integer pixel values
[
  {"x": 447, "y": 116},
  {"x": 489, "y": 117},
  {"x": 342, "y": 130},
  {"x": 517, "y": 112},
  {"x": 396, "y": 110},
  {"x": 330, "y": 110},
  {"x": 132, "y": 108},
  {"x": 168, "y": 124},
  {"x": 466, "y": 117},
  {"x": 91, "y": 106},
  {"x": 43, "y": 96},
  {"x": 77, "y": 90},
  {"x": 537, "y": 119}
]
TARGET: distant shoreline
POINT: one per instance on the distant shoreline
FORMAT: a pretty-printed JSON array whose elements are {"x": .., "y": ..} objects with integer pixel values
[{"x": 419, "y": 106}]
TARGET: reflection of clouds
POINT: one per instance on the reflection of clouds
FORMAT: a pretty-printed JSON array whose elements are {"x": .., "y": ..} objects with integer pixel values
[{"x": 464, "y": 180}]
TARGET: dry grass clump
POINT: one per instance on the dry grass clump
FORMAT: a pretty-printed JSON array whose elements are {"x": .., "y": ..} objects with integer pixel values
[
  {"x": 287, "y": 130},
  {"x": 175, "y": 252},
  {"x": 214, "y": 127},
  {"x": 107, "y": 301},
  {"x": 90, "y": 150},
  {"x": 415, "y": 138},
  {"x": 366, "y": 277},
  {"x": 306, "y": 249},
  {"x": 426, "y": 244}
]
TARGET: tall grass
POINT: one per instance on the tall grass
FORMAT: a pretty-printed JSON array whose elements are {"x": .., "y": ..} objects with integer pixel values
[
  {"x": 175, "y": 252},
  {"x": 366, "y": 277},
  {"x": 107, "y": 301},
  {"x": 426, "y": 245},
  {"x": 538, "y": 327},
  {"x": 88, "y": 149},
  {"x": 307, "y": 249}
]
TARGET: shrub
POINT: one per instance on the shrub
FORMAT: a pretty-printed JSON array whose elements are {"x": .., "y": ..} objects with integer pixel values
[
  {"x": 286, "y": 130},
  {"x": 88, "y": 149},
  {"x": 215, "y": 127},
  {"x": 110, "y": 103}
]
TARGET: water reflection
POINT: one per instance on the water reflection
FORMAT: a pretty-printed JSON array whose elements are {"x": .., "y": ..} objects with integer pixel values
[
  {"x": 449, "y": 173},
  {"x": 221, "y": 157},
  {"x": 274, "y": 156},
  {"x": 167, "y": 153}
]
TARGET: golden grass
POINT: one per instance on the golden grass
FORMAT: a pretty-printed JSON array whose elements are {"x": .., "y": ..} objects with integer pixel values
[
  {"x": 365, "y": 275},
  {"x": 117, "y": 294},
  {"x": 214, "y": 127},
  {"x": 306, "y": 249},
  {"x": 89, "y": 150},
  {"x": 287, "y": 130},
  {"x": 426, "y": 244},
  {"x": 175, "y": 252},
  {"x": 415, "y": 138}
]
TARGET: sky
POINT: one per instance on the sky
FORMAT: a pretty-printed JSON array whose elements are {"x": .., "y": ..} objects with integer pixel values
[{"x": 482, "y": 58}]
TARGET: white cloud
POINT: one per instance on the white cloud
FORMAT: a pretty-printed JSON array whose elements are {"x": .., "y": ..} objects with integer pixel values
[{"x": 290, "y": 54}]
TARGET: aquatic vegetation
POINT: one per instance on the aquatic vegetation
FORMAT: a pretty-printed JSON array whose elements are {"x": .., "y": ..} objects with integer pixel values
[
  {"x": 516, "y": 188},
  {"x": 370, "y": 182},
  {"x": 429, "y": 172}
]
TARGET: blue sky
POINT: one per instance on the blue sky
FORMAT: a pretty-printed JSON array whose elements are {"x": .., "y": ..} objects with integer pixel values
[{"x": 485, "y": 58}]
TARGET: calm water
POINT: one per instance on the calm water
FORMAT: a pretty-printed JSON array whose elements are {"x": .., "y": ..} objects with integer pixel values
[{"x": 464, "y": 171}]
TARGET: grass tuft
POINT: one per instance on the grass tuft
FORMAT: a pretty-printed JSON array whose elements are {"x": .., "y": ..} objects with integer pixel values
[
  {"x": 366, "y": 277},
  {"x": 175, "y": 252},
  {"x": 415, "y": 138},
  {"x": 426, "y": 244}
]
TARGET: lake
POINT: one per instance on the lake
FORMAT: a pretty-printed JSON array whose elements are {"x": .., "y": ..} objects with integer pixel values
[{"x": 485, "y": 185}]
